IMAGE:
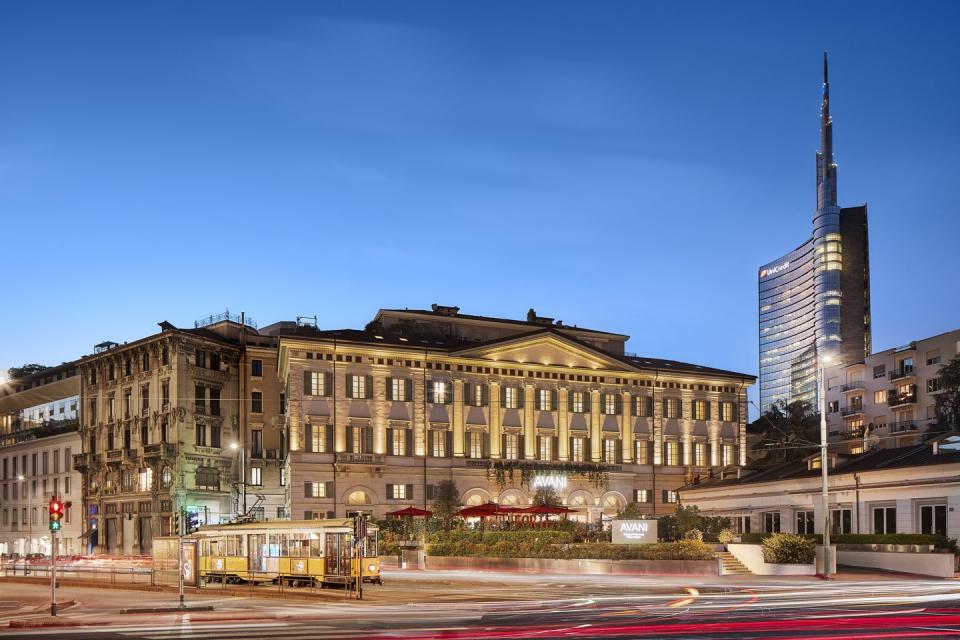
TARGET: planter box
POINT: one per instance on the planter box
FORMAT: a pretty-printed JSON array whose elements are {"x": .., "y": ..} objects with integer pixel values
[
  {"x": 751, "y": 556},
  {"x": 941, "y": 565},
  {"x": 590, "y": 567}
]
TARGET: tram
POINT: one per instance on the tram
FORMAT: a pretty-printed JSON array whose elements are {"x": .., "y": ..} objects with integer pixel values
[{"x": 291, "y": 552}]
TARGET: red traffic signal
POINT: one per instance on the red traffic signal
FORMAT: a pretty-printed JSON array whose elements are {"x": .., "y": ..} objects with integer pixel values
[{"x": 56, "y": 513}]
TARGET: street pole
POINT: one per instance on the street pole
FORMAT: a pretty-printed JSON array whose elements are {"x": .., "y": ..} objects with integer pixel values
[
  {"x": 180, "y": 558},
  {"x": 53, "y": 573},
  {"x": 243, "y": 475},
  {"x": 30, "y": 516},
  {"x": 824, "y": 462}
]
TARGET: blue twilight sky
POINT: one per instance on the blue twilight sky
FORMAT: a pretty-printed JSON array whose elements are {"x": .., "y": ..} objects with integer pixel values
[{"x": 619, "y": 165}]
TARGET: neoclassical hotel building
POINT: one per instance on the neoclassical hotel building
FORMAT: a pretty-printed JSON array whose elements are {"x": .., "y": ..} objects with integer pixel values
[{"x": 378, "y": 417}]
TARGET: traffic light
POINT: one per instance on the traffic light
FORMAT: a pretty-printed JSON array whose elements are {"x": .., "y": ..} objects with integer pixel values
[
  {"x": 177, "y": 523},
  {"x": 56, "y": 513}
]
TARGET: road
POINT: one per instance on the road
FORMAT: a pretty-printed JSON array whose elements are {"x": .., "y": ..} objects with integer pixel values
[{"x": 474, "y": 606}]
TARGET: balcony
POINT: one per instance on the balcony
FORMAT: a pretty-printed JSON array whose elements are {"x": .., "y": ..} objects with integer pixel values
[
  {"x": 360, "y": 458},
  {"x": 159, "y": 451},
  {"x": 852, "y": 386},
  {"x": 82, "y": 461},
  {"x": 850, "y": 434},
  {"x": 901, "y": 427},
  {"x": 120, "y": 456},
  {"x": 849, "y": 412},
  {"x": 897, "y": 399},
  {"x": 899, "y": 374}
]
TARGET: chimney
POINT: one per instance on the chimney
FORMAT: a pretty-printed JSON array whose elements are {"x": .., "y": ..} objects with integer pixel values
[{"x": 531, "y": 315}]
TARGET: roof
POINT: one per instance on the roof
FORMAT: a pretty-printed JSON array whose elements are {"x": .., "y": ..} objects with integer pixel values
[
  {"x": 466, "y": 316},
  {"x": 454, "y": 343},
  {"x": 875, "y": 460}
]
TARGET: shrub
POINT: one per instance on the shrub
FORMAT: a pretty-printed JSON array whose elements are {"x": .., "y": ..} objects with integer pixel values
[
  {"x": 787, "y": 548},
  {"x": 694, "y": 534},
  {"x": 725, "y": 536}
]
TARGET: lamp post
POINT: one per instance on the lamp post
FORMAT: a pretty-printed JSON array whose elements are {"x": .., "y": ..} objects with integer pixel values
[
  {"x": 821, "y": 370},
  {"x": 242, "y": 498},
  {"x": 24, "y": 487}
]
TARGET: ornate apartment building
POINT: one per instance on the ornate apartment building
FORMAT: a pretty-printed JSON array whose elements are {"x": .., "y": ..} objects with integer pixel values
[
  {"x": 158, "y": 416},
  {"x": 377, "y": 417}
]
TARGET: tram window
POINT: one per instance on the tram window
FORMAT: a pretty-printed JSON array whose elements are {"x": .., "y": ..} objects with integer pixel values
[
  {"x": 372, "y": 549},
  {"x": 274, "y": 545},
  {"x": 315, "y": 548}
]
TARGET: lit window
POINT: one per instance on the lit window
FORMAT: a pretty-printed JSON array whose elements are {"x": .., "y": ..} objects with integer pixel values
[
  {"x": 576, "y": 449},
  {"x": 727, "y": 454},
  {"x": 546, "y": 399},
  {"x": 670, "y": 496},
  {"x": 399, "y": 492},
  {"x": 609, "y": 404},
  {"x": 439, "y": 444},
  {"x": 699, "y": 410},
  {"x": 672, "y": 450},
  {"x": 728, "y": 412},
  {"x": 700, "y": 454},
  {"x": 510, "y": 446},
  {"x": 398, "y": 388},
  {"x": 256, "y": 478},
  {"x": 398, "y": 442},
  {"x": 577, "y": 402},
  {"x": 880, "y": 397},
  {"x": 318, "y": 384},
  {"x": 475, "y": 444},
  {"x": 641, "y": 451},
  {"x": 546, "y": 447},
  {"x": 510, "y": 397},
  {"x": 610, "y": 451},
  {"x": 145, "y": 480},
  {"x": 440, "y": 392},
  {"x": 358, "y": 386},
  {"x": 315, "y": 490}
]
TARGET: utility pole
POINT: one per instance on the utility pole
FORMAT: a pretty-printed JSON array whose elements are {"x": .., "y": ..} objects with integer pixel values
[
  {"x": 824, "y": 462},
  {"x": 181, "y": 523}
]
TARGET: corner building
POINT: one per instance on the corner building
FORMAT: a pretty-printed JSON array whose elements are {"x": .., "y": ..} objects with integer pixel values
[
  {"x": 815, "y": 301},
  {"x": 378, "y": 417}
]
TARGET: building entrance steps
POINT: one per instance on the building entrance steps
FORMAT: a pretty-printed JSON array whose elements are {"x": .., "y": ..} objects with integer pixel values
[{"x": 729, "y": 565}]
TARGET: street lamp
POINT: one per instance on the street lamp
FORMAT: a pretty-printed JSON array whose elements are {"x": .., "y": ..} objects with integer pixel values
[
  {"x": 821, "y": 371},
  {"x": 25, "y": 487},
  {"x": 243, "y": 476}
]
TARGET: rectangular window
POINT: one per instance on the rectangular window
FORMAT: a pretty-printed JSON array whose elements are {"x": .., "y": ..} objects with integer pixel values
[
  {"x": 884, "y": 520},
  {"x": 805, "y": 522},
  {"x": 700, "y": 410},
  {"x": 256, "y": 368},
  {"x": 879, "y": 371},
  {"x": 669, "y": 496},
  {"x": 511, "y": 397},
  {"x": 934, "y": 385},
  {"x": 880, "y": 397},
  {"x": 475, "y": 444},
  {"x": 358, "y": 438},
  {"x": 438, "y": 448},
  {"x": 256, "y": 443},
  {"x": 214, "y": 402},
  {"x": 641, "y": 451},
  {"x": 728, "y": 412},
  {"x": 641, "y": 406},
  {"x": 771, "y": 522},
  {"x": 610, "y": 404},
  {"x": 441, "y": 391},
  {"x": 576, "y": 449},
  {"x": 315, "y": 490},
  {"x": 576, "y": 401},
  {"x": 145, "y": 400},
  {"x": 933, "y": 357},
  {"x": 398, "y": 389},
  {"x": 642, "y": 495},
  {"x": 546, "y": 448},
  {"x": 610, "y": 451},
  {"x": 215, "y": 361},
  {"x": 256, "y": 476},
  {"x": 201, "y": 435},
  {"x": 256, "y": 402},
  {"x": 56, "y": 461},
  {"x": 400, "y": 492},
  {"x": 833, "y": 406},
  {"x": 127, "y": 403},
  {"x": 358, "y": 386},
  {"x": 545, "y": 400},
  {"x": 510, "y": 446},
  {"x": 841, "y": 521},
  {"x": 671, "y": 407},
  {"x": 700, "y": 454},
  {"x": 316, "y": 383},
  {"x": 672, "y": 452},
  {"x": 200, "y": 358},
  {"x": 200, "y": 398},
  {"x": 933, "y": 519},
  {"x": 398, "y": 442},
  {"x": 727, "y": 455}
]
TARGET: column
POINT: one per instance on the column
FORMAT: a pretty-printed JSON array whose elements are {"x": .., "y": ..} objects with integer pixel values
[
  {"x": 496, "y": 432},
  {"x": 626, "y": 428},
  {"x": 596, "y": 444},
  {"x": 563, "y": 429},
  {"x": 529, "y": 424},
  {"x": 456, "y": 419}
]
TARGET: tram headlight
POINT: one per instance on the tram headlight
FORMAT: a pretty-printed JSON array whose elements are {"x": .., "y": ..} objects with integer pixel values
[{"x": 372, "y": 567}]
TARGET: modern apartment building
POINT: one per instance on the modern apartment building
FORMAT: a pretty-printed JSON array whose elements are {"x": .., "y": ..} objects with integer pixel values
[
  {"x": 38, "y": 434},
  {"x": 888, "y": 399},
  {"x": 815, "y": 301},
  {"x": 378, "y": 416}
]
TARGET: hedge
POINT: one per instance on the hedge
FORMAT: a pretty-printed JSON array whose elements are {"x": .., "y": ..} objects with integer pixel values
[
  {"x": 516, "y": 536},
  {"x": 940, "y": 542},
  {"x": 788, "y": 548},
  {"x": 683, "y": 550}
]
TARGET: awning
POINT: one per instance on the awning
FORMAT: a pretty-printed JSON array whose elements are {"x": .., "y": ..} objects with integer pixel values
[
  {"x": 409, "y": 512},
  {"x": 641, "y": 427},
  {"x": 439, "y": 415},
  {"x": 700, "y": 429},
  {"x": 359, "y": 409},
  {"x": 475, "y": 415},
  {"x": 578, "y": 422},
  {"x": 316, "y": 408},
  {"x": 671, "y": 428},
  {"x": 399, "y": 412},
  {"x": 511, "y": 418},
  {"x": 545, "y": 421},
  {"x": 728, "y": 431},
  {"x": 610, "y": 424}
]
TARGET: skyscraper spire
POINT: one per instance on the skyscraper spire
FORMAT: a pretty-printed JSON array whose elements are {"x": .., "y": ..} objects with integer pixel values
[{"x": 826, "y": 168}]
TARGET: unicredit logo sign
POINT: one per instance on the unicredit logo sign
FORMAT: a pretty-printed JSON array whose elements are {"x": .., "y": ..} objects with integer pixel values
[{"x": 777, "y": 269}]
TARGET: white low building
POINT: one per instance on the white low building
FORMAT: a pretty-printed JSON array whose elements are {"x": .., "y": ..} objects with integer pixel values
[{"x": 912, "y": 489}]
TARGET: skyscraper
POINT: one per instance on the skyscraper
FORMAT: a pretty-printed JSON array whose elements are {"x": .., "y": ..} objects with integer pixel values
[{"x": 816, "y": 299}]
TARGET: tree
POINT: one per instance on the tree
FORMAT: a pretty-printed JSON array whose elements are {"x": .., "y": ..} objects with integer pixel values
[
  {"x": 630, "y": 512},
  {"x": 546, "y": 497},
  {"x": 788, "y": 431},
  {"x": 25, "y": 371},
  {"x": 446, "y": 502},
  {"x": 948, "y": 400}
]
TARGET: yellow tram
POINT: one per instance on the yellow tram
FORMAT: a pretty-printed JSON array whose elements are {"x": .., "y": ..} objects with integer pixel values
[{"x": 293, "y": 552}]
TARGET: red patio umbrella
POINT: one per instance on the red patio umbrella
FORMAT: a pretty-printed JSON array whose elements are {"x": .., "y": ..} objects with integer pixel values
[
  {"x": 486, "y": 510},
  {"x": 546, "y": 509},
  {"x": 410, "y": 512}
]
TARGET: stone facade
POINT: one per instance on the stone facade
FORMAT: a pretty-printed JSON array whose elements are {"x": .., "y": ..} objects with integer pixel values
[
  {"x": 378, "y": 417},
  {"x": 158, "y": 416}
]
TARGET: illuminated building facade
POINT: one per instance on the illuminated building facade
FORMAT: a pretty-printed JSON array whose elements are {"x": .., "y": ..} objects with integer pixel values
[
  {"x": 815, "y": 301},
  {"x": 378, "y": 417}
]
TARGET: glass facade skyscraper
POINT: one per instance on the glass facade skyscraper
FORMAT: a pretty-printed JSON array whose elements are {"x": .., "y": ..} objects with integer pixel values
[{"x": 815, "y": 301}]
